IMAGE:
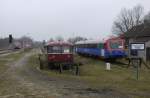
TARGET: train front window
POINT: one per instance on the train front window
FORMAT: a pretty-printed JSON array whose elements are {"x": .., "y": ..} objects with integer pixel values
[
  {"x": 66, "y": 49},
  {"x": 116, "y": 45},
  {"x": 58, "y": 49},
  {"x": 54, "y": 49}
]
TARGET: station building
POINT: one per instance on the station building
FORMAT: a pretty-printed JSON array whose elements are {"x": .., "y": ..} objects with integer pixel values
[{"x": 138, "y": 34}]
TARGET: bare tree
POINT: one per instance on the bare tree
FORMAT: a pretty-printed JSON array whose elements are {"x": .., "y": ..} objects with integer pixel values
[{"x": 127, "y": 19}]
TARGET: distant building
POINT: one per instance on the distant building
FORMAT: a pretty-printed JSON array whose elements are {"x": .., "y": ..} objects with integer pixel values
[
  {"x": 140, "y": 33},
  {"x": 17, "y": 45},
  {"x": 4, "y": 43}
]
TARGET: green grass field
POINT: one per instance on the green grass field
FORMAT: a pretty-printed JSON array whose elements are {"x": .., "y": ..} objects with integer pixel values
[{"x": 118, "y": 78}]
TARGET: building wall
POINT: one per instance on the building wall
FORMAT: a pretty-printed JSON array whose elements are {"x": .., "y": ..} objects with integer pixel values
[
  {"x": 146, "y": 40},
  {"x": 148, "y": 50},
  {"x": 148, "y": 43}
]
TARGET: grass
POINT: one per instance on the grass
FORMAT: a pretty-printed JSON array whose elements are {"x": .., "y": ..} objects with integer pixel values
[
  {"x": 2, "y": 65},
  {"x": 119, "y": 78}
]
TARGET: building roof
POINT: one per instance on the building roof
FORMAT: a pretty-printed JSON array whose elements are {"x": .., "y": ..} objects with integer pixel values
[
  {"x": 89, "y": 42},
  {"x": 98, "y": 41},
  {"x": 138, "y": 31}
]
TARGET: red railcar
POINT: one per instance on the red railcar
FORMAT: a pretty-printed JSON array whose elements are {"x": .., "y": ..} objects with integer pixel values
[
  {"x": 59, "y": 55},
  {"x": 59, "y": 52}
]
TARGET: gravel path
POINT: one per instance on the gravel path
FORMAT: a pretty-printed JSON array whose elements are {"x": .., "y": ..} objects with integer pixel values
[{"x": 21, "y": 81}]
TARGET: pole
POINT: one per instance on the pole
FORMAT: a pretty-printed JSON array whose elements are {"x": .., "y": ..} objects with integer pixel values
[
  {"x": 137, "y": 70},
  {"x": 136, "y": 64}
]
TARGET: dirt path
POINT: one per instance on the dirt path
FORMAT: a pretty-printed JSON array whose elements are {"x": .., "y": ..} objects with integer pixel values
[{"x": 21, "y": 81}]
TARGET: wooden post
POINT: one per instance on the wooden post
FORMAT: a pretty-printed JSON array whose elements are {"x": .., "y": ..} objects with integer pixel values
[
  {"x": 60, "y": 68},
  {"x": 41, "y": 65},
  {"x": 77, "y": 69}
]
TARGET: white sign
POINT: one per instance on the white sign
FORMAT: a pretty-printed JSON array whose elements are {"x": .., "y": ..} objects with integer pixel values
[
  {"x": 121, "y": 47},
  {"x": 137, "y": 46}
]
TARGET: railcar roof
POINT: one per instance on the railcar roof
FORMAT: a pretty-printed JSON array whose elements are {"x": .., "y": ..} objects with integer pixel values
[
  {"x": 90, "y": 42},
  {"x": 55, "y": 43}
]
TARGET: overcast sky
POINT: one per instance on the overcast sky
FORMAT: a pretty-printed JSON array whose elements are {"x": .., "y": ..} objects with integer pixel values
[{"x": 43, "y": 19}]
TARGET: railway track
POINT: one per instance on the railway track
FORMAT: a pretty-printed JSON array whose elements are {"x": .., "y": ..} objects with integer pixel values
[{"x": 7, "y": 51}]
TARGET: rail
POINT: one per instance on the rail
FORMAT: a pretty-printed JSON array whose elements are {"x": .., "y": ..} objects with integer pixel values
[{"x": 5, "y": 51}]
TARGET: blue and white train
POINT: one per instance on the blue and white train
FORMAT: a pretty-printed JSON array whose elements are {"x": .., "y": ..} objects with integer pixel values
[{"x": 111, "y": 48}]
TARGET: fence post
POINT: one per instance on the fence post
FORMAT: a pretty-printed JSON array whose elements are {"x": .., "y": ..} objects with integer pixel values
[
  {"x": 77, "y": 69},
  {"x": 60, "y": 68}
]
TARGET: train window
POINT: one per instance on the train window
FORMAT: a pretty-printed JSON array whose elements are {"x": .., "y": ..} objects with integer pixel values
[
  {"x": 49, "y": 49},
  {"x": 116, "y": 45},
  {"x": 57, "y": 49},
  {"x": 90, "y": 46},
  {"x": 66, "y": 49},
  {"x": 54, "y": 49},
  {"x": 93, "y": 46},
  {"x": 81, "y": 45}
]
